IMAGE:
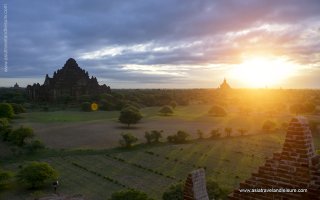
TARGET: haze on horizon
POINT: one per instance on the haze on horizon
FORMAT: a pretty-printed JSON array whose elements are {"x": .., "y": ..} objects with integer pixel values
[{"x": 166, "y": 44}]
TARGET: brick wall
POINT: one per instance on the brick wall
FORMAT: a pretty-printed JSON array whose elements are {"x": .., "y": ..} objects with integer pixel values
[{"x": 297, "y": 166}]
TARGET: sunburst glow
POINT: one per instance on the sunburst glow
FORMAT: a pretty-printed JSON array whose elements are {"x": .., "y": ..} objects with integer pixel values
[{"x": 263, "y": 71}]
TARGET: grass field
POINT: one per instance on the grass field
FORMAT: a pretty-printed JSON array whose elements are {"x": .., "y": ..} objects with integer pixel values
[
  {"x": 82, "y": 150},
  {"x": 76, "y": 129},
  {"x": 152, "y": 169}
]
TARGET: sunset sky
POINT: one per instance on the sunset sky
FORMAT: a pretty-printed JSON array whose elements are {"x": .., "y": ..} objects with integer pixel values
[{"x": 166, "y": 43}]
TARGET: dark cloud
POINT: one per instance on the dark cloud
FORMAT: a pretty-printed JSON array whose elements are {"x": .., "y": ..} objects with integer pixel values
[{"x": 43, "y": 34}]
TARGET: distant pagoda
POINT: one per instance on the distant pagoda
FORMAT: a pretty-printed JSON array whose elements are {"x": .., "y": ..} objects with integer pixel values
[
  {"x": 69, "y": 82},
  {"x": 224, "y": 85}
]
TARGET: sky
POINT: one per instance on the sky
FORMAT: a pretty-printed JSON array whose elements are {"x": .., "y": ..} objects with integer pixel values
[{"x": 164, "y": 44}]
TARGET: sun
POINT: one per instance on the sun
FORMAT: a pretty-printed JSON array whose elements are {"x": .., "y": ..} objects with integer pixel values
[{"x": 258, "y": 71}]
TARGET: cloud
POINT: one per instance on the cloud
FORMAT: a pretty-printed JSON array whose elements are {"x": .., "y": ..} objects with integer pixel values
[{"x": 157, "y": 41}]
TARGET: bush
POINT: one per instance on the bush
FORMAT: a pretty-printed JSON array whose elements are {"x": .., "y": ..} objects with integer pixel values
[
  {"x": 17, "y": 108},
  {"x": 35, "y": 145},
  {"x": 86, "y": 106},
  {"x": 180, "y": 137},
  {"x": 18, "y": 136},
  {"x": 153, "y": 136},
  {"x": 166, "y": 110},
  {"x": 228, "y": 131},
  {"x": 214, "y": 191},
  {"x": 200, "y": 134},
  {"x": 106, "y": 105},
  {"x": 215, "y": 133},
  {"x": 129, "y": 195},
  {"x": 127, "y": 140},
  {"x": 173, "y": 104},
  {"x": 36, "y": 174},
  {"x": 5, "y": 177},
  {"x": 242, "y": 131},
  {"x": 174, "y": 192},
  {"x": 268, "y": 125},
  {"x": 130, "y": 115},
  {"x": 5, "y": 129},
  {"x": 6, "y": 110},
  {"x": 299, "y": 108},
  {"x": 217, "y": 111}
]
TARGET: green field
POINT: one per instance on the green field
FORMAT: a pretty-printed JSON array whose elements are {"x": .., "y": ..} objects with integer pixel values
[
  {"x": 99, "y": 130},
  {"x": 152, "y": 169},
  {"x": 82, "y": 147}
]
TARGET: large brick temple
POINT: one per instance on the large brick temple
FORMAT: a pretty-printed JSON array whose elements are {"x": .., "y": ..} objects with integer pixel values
[{"x": 69, "y": 82}]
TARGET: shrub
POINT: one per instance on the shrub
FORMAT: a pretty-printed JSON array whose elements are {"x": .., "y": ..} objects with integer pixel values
[
  {"x": 18, "y": 136},
  {"x": 217, "y": 111},
  {"x": 5, "y": 129},
  {"x": 174, "y": 192},
  {"x": 17, "y": 108},
  {"x": 5, "y": 177},
  {"x": 180, "y": 137},
  {"x": 127, "y": 140},
  {"x": 215, "y": 133},
  {"x": 129, "y": 195},
  {"x": 153, "y": 136},
  {"x": 200, "y": 134},
  {"x": 166, "y": 110},
  {"x": 36, "y": 174},
  {"x": 86, "y": 106},
  {"x": 268, "y": 125},
  {"x": 242, "y": 131},
  {"x": 173, "y": 104},
  {"x": 6, "y": 110},
  {"x": 35, "y": 145},
  {"x": 228, "y": 131},
  {"x": 214, "y": 190},
  {"x": 314, "y": 126}
]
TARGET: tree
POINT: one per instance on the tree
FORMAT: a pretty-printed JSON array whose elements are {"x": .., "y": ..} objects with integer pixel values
[
  {"x": 130, "y": 116},
  {"x": 214, "y": 190},
  {"x": 154, "y": 136},
  {"x": 5, "y": 129},
  {"x": 174, "y": 192},
  {"x": 200, "y": 134},
  {"x": 17, "y": 108},
  {"x": 180, "y": 137},
  {"x": 228, "y": 131},
  {"x": 309, "y": 107},
  {"x": 215, "y": 133},
  {"x": 129, "y": 195},
  {"x": 36, "y": 174},
  {"x": 5, "y": 177},
  {"x": 173, "y": 104},
  {"x": 18, "y": 136},
  {"x": 242, "y": 131},
  {"x": 217, "y": 111},
  {"x": 6, "y": 110},
  {"x": 171, "y": 138},
  {"x": 268, "y": 125},
  {"x": 35, "y": 145},
  {"x": 148, "y": 137},
  {"x": 127, "y": 140},
  {"x": 166, "y": 110},
  {"x": 86, "y": 106}
]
